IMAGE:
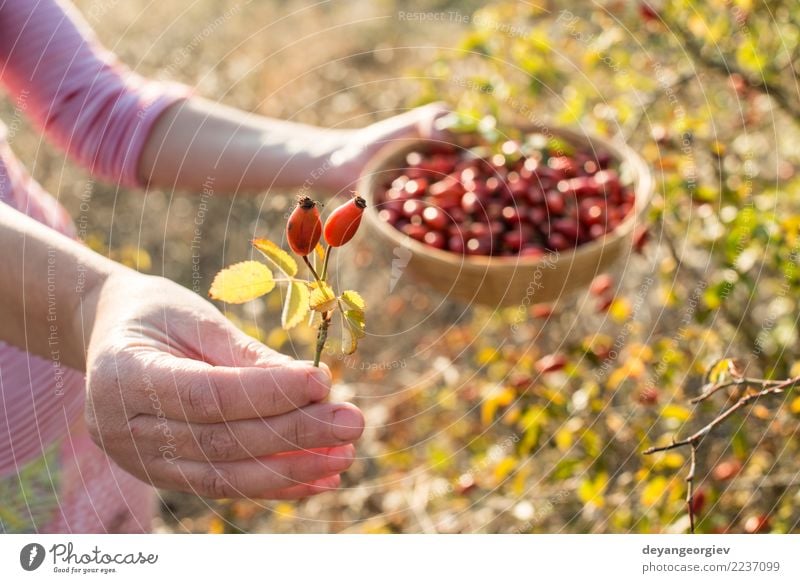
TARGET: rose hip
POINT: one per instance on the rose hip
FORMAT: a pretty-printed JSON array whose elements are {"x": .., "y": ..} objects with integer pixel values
[
  {"x": 416, "y": 187},
  {"x": 304, "y": 228},
  {"x": 470, "y": 203},
  {"x": 555, "y": 203},
  {"x": 415, "y": 231},
  {"x": 343, "y": 222},
  {"x": 448, "y": 186},
  {"x": 434, "y": 218},
  {"x": 455, "y": 243},
  {"x": 435, "y": 239},
  {"x": 412, "y": 208}
]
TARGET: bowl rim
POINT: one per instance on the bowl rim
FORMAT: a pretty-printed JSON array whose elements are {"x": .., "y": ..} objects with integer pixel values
[{"x": 643, "y": 186}]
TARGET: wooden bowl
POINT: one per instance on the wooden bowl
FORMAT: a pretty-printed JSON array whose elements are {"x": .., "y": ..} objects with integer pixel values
[{"x": 509, "y": 280}]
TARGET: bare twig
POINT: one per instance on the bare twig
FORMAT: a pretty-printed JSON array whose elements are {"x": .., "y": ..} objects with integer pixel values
[
  {"x": 767, "y": 387},
  {"x": 690, "y": 487},
  {"x": 710, "y": 389}
]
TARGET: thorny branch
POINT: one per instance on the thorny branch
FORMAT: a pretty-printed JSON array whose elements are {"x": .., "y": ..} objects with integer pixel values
[{"x": 761, "y": 388}]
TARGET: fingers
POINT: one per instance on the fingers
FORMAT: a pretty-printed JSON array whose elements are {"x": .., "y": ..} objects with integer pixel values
[
  {"x": 254, "y": 478},
  {"x": 427, "y": 117},
  {"x": 197, "y": 392},
  {"x": 305, "y": 490},
  {"x": 415, "y": 123},
  {"x": 312, "y": 427}
]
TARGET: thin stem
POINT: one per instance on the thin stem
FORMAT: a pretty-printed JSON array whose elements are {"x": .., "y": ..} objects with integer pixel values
[
  {"x": 722, "y": 417},
  {"x": 690, "y": 487},
  {"x": 711, "y": 389},
  {"x": 311, "y": 268},
  {"x": 325, "y": 262},
  {"x": 322, "y": 336}
]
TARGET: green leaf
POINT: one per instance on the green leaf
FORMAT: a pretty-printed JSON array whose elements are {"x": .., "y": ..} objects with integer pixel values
[
  {"x": 277, "y": 256},
  {"x": 242, "y": 282},
  {"x": 353, "y": 300},
  {"x": 296, "y": 305}
]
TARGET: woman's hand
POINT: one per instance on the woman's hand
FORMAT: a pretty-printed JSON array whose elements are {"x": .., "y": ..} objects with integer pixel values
[
  {"x": 180, "y": 398},
  {"x": 357, "y": 147}
]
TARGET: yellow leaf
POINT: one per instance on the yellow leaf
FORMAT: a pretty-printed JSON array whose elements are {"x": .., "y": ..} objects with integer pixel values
[
  {"x": 487, "y": 355},
  {"x": 242, "y": 282},
  {"x": 322, "y": 297},
  {"x": 795, "y": 406},
  {"x": 216, "y": 526},
  {"x": 320, "y": 252},
  {"x": 496, "y": 397},
  {"x": 654, "y": 490},
  {"x": 591, "y": 491},
  {"x": 675, "y": 412},
  {"x": 284, "y": 511},
  {"x": 353, "y": 300},
  {"x": 504, "y": 468},
  {"x": 719, "y": 372},
  {"x": 749, "y": 55},
  {"x": 277, "y": 256},
  {"x": 672, "y": 460},
  {"x": 620, "y": 310},
  {"x": 296, "y": 305},
  {"x": 353, "y": 328},
  {"x": 563, "y": 439}
]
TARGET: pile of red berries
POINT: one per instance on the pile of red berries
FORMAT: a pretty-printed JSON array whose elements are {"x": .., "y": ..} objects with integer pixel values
[{"x": 522, "y": 199}]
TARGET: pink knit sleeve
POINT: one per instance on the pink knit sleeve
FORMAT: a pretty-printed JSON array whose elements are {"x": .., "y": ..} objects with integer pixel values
[{"x": 85, "y": 101}]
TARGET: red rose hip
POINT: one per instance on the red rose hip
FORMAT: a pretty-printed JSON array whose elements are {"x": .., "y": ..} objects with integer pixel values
[
  {"x": 343, "y": 222},
  {"x": 304, "y": 228}
]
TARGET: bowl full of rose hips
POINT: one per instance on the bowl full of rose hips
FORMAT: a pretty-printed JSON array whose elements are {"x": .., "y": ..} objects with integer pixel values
[{"x": 516, "y": 221}]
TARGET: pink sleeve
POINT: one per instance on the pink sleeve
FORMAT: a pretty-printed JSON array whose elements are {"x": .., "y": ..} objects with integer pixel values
[{"x": 85, "y": 101}]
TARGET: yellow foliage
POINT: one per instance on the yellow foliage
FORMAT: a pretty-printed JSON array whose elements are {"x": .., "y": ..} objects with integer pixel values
[
  {"x": 277, "y": 256},
  {"x": 592, "y": 491},
  {"x": 496, "y": 397},
  {"x": 242, "y": 282},
  {"x": 654, "y": 490}
]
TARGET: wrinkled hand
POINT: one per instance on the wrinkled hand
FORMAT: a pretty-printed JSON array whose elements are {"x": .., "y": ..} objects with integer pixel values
[
  {"x": 357, "y": 147},
  {"x": 180, "y": 398}
]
